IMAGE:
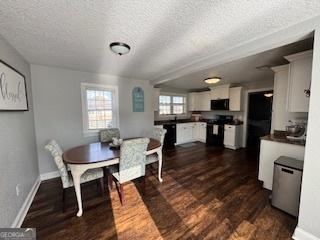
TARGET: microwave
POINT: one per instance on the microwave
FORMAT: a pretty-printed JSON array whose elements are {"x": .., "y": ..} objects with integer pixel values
[{"x": 221, "y": 104}]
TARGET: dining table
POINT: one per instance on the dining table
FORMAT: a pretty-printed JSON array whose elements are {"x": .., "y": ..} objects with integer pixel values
[{"x": 96, "y": 155}]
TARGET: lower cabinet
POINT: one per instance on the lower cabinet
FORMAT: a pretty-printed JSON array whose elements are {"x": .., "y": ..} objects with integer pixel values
[
  {"x": 202, "y": 131},
  {"x": 232, "y": 136},
  {"x": 190, "y": 132}
]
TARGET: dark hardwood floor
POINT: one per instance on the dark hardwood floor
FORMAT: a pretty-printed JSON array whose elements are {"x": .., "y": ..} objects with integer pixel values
[{"x": 207, "y": 193}]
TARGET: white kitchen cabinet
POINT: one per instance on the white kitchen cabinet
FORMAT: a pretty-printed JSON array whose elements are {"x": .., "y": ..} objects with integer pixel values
[
  {"x": 195, "y": 131},
  {"x": 184, "y": 132},
  {"x": 199, "y": 101},
  {"x": 280, "y": 115},
  {"x": 180, "y": 134},
  {"x": 190, "y": 132},
  {"x": 235, "y": 101},
  {"x": 156, "y": 94},
  {"x": 204, "y": 99},
  {"x": 193, "y": 101},
  {"x": 300, "y": 68},
  {"x": 220, "y": 92},
  {"x": 201, "y": 132},
  {"x": 232, "y": 136}
]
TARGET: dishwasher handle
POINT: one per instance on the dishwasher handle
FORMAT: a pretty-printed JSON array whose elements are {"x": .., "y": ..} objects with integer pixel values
[{"x": 286, "y": 170}]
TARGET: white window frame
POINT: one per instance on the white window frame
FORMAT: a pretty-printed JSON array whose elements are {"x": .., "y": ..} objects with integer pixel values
[
  {"x": 171, "y": 104},
  {"x": 115, "y": 106}
]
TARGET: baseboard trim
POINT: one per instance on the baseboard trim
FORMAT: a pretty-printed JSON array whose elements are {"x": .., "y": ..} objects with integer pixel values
[
  {"x": 49, "y": 175},
  {"x": 300, "y": 234},
  {"x": 26, "y": 205}
]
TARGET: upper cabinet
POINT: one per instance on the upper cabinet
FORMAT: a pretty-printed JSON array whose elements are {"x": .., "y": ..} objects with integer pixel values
[
  {"x": 193, "y": 101},
  {"x": 201, "y": 101},
  {"x": 204, "y": 101},
  {"x": 220, "y": 92},
  {"x": 299, "y": 80},
  {"x": 235, "y": 102},
  {"x": 280, "y": 116}
]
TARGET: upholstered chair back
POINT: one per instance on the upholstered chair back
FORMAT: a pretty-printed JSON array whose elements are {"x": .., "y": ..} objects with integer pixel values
[
  {"x": 159, "y": 134},
  {"x": 132, "y": 159},
  {"x": 106, "y": 135},
  {"x": 53, "y": 147}
]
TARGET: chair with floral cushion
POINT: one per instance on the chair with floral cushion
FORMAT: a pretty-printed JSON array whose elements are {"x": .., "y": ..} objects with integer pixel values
[
  {"x": 159, "y": 134},
  {"x": 93, "y": 174},
  {"x": 106, "y": 135},
  {"x": 131, "y": 164}
]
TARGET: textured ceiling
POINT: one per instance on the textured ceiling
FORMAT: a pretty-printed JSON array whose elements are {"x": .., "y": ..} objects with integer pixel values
[
  {"x": 242, "y": 70},
  {"x": 163, "y": 34}
]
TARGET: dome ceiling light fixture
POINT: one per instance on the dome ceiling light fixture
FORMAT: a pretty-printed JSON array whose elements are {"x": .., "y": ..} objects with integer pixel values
[
  {"x": 212, "y": 80},
  {"x": 268, "y": 95},
  {"x": 119, "y": 48}
]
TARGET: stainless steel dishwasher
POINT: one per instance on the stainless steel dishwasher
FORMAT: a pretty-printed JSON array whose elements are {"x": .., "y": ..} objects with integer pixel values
[{"x": 287, "y": 176}]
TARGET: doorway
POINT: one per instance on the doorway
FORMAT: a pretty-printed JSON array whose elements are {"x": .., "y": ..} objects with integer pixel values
[{"x": 259, "y": 119}]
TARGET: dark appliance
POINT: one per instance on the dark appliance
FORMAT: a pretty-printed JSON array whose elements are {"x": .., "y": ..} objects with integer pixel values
[
  {"x": 221, "y": 104},
  {"x": 220, "y": 121},
  {"x": 171, "y": 135}
]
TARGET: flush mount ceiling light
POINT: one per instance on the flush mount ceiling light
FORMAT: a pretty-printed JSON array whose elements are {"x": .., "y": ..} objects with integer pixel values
[
  {"x": 268, "y": 95},
  {"x": 212, "y": 80},
  {"x": 119, "y": 48}
]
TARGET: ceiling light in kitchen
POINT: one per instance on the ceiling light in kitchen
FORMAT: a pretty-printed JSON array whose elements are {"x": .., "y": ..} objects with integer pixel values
[
  {"x": 212, "y": 80},
  {"x": 119, "y": 48},
  {"x": 268, "y": 94}
]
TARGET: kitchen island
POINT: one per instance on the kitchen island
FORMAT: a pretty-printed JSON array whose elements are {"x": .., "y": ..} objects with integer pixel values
[{"x": 272, "y": 147}]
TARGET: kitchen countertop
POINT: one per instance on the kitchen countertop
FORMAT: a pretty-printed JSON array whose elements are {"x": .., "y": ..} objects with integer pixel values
[
  {"x": 163, "y": 122},
  {"x": 209, "y": 121},
  {"x": 283, "y": 139}
]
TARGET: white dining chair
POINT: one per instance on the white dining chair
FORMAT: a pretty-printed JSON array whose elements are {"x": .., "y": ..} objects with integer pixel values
[
  {"x": 66, "y": 178},
  {"x": 106, "y": 135},
  {"x": 131, "y": 165},
  {"x": 158, "y": 134}
]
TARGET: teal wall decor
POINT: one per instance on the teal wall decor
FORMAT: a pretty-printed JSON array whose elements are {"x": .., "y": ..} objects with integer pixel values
[{"x": 137, "y": 99}]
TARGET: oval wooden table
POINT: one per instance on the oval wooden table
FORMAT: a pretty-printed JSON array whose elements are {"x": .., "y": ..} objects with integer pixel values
[{"x": 97, "y": 155}]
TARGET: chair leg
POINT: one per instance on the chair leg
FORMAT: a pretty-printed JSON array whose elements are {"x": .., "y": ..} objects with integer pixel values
[
  {"x": 121, "y": 194},
  {"x": 110, "y": 181},
  {"x": 143, "y": 185},
  {"x": 102, "y": 185},
  {"x": 64, "y": 199}
]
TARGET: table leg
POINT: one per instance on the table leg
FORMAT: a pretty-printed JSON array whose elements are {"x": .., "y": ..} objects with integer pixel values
[
  {"x": 159, "y": 152},
  {"x": 76, "y": 175}
]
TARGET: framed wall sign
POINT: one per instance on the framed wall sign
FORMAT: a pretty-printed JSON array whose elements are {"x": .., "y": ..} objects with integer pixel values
[
  {"x": 13, "y": 93},
  {"x": 138, "y": 99}
]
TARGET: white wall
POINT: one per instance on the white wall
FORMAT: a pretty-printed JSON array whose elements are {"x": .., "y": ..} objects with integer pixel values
[
  {"x": 18, "y": 156},
  {"x": 309, "y": 216},
  {"x": 58, "y": 113},
  {"x": 166, "y": 90}
]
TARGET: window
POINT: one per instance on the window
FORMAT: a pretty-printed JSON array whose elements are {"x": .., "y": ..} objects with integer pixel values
[
  {"x": 99, "y": 106},
  {"x": 172, "y": 104}
]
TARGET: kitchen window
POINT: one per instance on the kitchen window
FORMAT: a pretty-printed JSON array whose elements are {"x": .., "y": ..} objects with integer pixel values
[
  {"x": 172, "y": 104},
  {"x": 99, "y": 107}
]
